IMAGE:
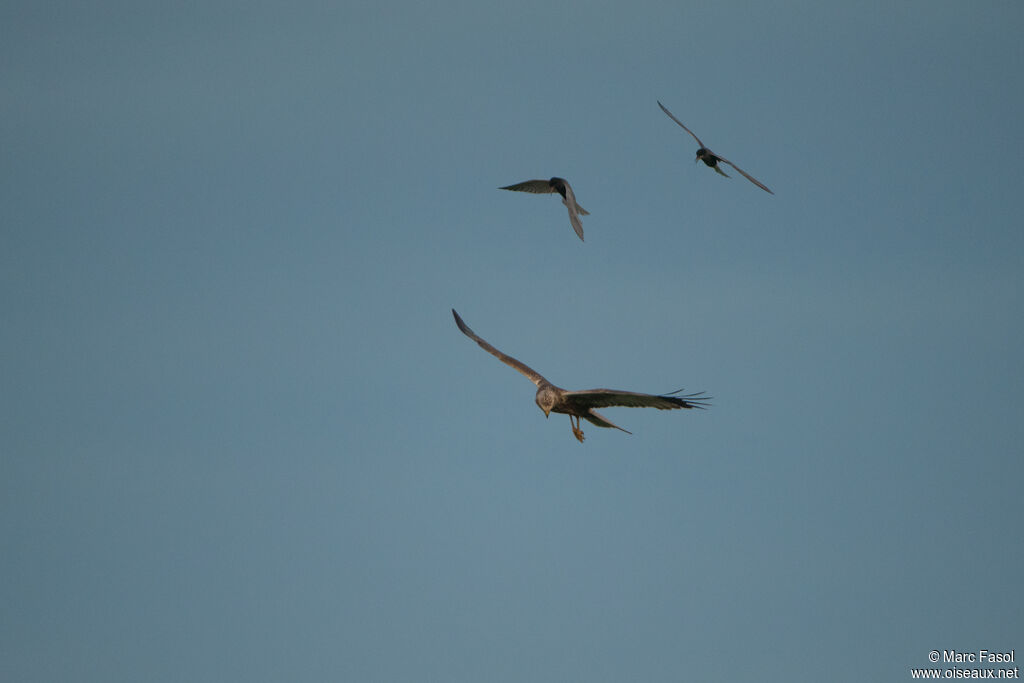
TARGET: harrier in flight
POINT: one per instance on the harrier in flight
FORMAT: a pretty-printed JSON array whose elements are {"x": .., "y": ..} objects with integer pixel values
[
  {"x": 561, "y": 186},
  {"x": 581, "y": 404},
  {"x": 710, "y": 158}
]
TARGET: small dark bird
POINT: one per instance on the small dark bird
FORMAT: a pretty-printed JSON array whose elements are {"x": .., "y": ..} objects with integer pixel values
[
  {"x": 577, "y": 404},
  {"x": 561, "y": 186},
  {"x": 710, "y": 158}
]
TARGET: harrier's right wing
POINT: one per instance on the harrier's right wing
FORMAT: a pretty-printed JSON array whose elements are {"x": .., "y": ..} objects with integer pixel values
[{"x": 530, "y": 373}]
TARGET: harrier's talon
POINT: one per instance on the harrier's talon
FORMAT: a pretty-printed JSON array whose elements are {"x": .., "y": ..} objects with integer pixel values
[{"x": 576, "y": 431}]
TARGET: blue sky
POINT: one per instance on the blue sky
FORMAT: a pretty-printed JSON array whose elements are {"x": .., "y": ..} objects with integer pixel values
[{"x": 242, "y": 438}]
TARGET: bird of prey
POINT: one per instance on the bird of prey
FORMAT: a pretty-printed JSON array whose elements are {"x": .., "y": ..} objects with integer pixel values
[
  {"x": 710, "y": 158},
  {"x": 581, "y": 404},
  {"x": 561, "y": 186}
]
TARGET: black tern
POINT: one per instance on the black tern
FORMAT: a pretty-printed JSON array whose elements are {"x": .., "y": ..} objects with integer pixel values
[
  {"x": 710, "y": 158},
  {"x": 561, "y": 186}
]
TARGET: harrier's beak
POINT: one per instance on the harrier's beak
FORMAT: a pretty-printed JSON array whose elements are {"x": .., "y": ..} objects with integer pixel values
[{"x": 547, "y": 413}]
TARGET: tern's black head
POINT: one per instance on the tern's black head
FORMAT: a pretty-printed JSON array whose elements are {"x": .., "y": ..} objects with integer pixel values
[
  {"x": 707, "y": 156},
  {"x": 559, "y": 185}
]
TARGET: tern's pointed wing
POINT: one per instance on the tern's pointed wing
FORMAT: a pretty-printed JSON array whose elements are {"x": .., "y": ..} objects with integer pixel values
[
  {"x": 604, "y": 398},
  {"x": 531, "y": 374},
  {"x": 681, "y": 124},
  {"x": 574, "y": 211},
  {"x": 574, "y": 219},
  {"x": 747, "y": 175},
  {"x": 570, "y": 196},
  {"x": 535, "y": 186}
]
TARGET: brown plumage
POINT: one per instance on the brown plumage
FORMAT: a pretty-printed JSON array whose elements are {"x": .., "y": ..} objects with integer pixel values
[{"x": 581, "y": 404}]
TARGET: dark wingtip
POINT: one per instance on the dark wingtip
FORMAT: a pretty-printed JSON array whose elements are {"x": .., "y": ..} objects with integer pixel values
[
  {"x": 698, "y": 399},
  {"x": 463, "y": 327}
]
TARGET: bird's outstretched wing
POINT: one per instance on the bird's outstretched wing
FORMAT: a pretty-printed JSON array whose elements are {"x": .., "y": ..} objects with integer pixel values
[
  {"x": 574, "y": 220},
  {"x": 747, "y": 175},
  {"x": 530, "y": 373},
  {"x": 574, "y": 211},
  {"x": 604, "y": 398},
  {"x": 681, "y": 124},
  {"x": 534, "y": 186},
  {"x": 562, "y": 186}
]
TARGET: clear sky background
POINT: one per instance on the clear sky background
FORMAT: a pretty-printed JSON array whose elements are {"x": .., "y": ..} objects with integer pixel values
[{"x": 241, "y": 437}]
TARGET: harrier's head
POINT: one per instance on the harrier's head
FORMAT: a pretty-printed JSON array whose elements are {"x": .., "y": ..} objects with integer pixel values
[{"x": 546, "y": 398}]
